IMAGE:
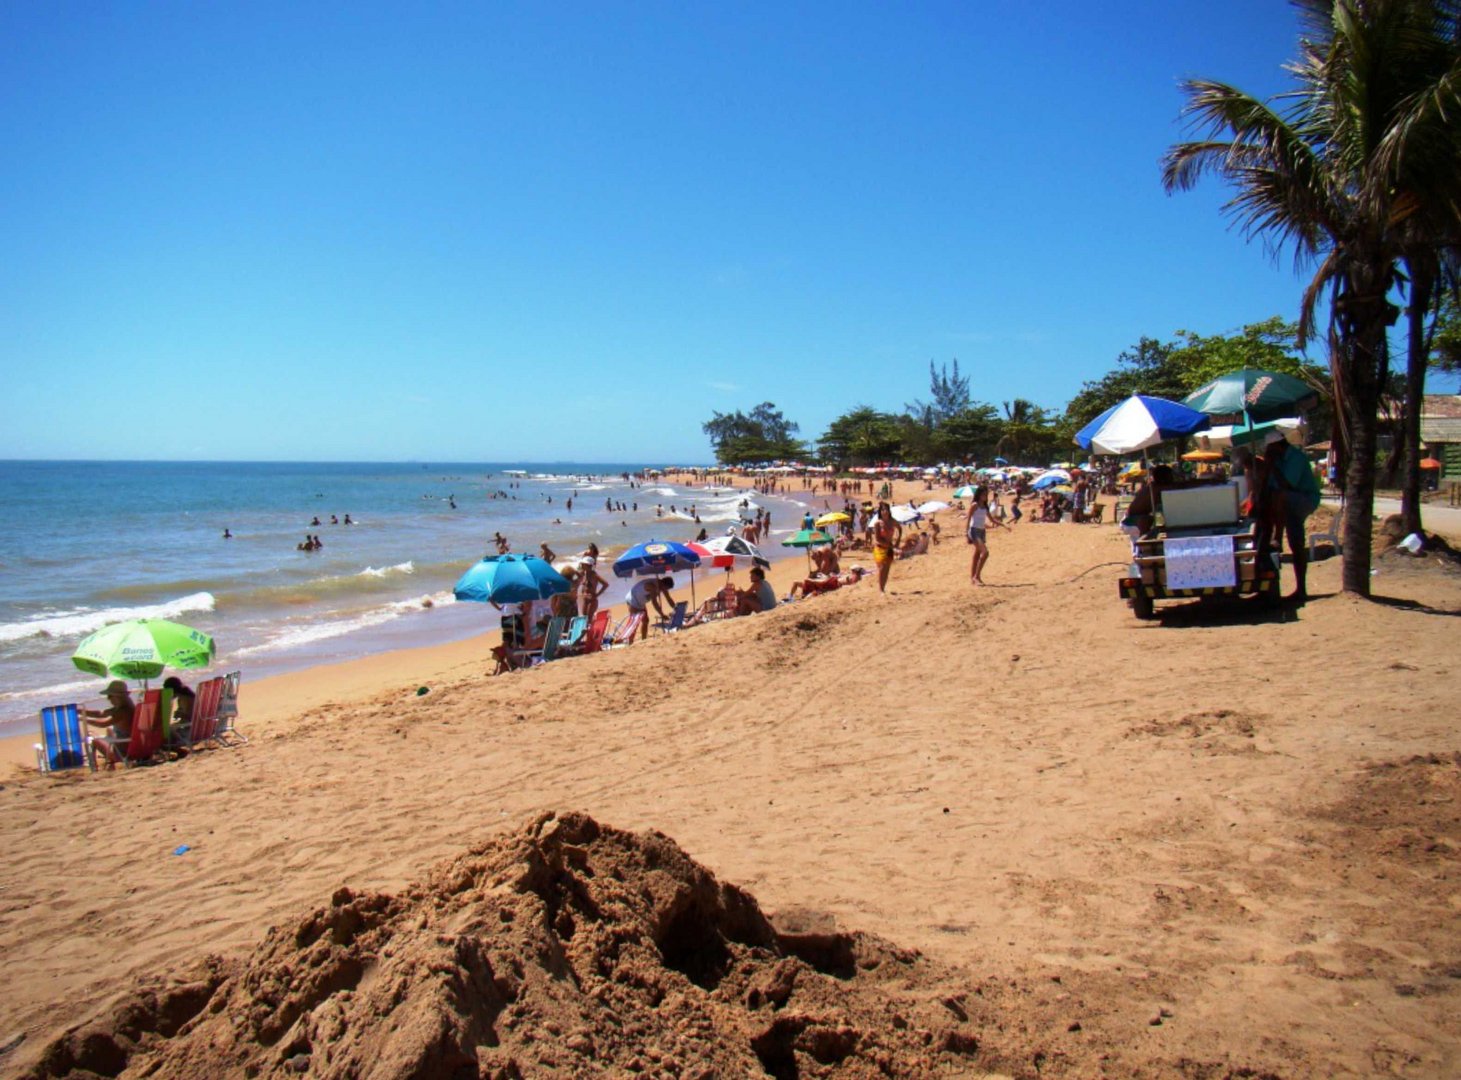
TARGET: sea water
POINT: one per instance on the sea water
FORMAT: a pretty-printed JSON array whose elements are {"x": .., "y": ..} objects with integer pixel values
[{"x": 84, "y": 544}]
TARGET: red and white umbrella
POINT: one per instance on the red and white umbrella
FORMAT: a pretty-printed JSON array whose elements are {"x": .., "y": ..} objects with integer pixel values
[{"x": 728, "y": 552}]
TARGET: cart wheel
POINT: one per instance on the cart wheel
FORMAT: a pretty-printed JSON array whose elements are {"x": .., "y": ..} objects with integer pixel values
[{"x": 1142, "y": 606}]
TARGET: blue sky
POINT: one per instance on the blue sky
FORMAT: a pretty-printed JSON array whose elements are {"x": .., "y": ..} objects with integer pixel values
[{"x": 571, "y": 231}]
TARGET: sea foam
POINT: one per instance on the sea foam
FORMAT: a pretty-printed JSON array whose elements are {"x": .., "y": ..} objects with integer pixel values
[{"x": 76, "y": 623}]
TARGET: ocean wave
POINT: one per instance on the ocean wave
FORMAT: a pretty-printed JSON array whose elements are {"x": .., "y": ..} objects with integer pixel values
[
  {"x": 594, "y": 487},
  {"x": 323, "y": 629},
  {"x": 58, "y": 690},
  {"x": 76, "y": 623},
  {"x": 407, "y": 567},
  {"x": 666, "y": 492}
]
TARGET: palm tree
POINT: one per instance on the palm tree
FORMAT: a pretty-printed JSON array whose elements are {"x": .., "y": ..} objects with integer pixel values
[{"x": 1361, "y": 154}]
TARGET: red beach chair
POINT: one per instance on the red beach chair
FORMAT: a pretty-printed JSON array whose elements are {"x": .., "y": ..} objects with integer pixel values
[{"x": 141, "y": 748}]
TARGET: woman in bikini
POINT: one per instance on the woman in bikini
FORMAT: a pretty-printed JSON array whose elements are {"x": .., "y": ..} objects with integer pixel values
[{"x": 886, "y": 534}]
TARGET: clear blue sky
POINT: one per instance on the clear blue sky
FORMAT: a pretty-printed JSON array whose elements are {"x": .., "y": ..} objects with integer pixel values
[{"x": 571, "y": 231}]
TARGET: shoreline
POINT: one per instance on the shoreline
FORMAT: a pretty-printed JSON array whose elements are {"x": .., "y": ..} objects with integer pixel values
[
  {"x": 407, "y": 623},
  {"x": 268, "y": 701}
]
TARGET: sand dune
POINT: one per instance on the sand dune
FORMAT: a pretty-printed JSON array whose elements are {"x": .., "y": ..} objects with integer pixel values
[{"x": 1221, "y": 841}]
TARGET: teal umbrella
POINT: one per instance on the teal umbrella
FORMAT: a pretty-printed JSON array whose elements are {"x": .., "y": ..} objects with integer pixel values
[
  {"x": 1254, "y": 394},
  {"x": 141, "y": 648}
]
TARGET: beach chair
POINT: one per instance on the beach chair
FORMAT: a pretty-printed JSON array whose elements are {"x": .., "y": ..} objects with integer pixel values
[
  {"x": 204, "y": 726},
  {"x": 676, "y": 619},
  {"x": 62, "y": 744},
  {"x": 624, "y": 633},
  {"x": 227, "y": 733},
  {"x": 723, "y": 604},
  {"x": 141, "y": 747},
  {"x": 552, "y": 642},
  {"x": 593, "y": 641},
  {"x": 573, "y": 636}
]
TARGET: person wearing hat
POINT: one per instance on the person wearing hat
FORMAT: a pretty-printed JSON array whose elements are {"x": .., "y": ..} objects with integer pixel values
[
  {"x": 1293, "y": 494},
  {"x": 117, "y": 716}
]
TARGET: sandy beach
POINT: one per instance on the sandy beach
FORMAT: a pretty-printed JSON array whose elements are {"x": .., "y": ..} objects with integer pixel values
[{"x": 1218, "y": 844}]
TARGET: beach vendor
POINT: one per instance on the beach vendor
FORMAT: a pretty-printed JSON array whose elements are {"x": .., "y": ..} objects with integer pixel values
[
  {"x": 886, "y": 535},
  {"x": 1293, "y": 494},
  {"x": 117, "y": 716},
  {"x": 646, "y": 593}
]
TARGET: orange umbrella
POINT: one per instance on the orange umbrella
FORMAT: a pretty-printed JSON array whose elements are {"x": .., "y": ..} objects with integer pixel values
[
  {"x": 1429, "y": 463},
  {"x": 1202, "y": 455}
]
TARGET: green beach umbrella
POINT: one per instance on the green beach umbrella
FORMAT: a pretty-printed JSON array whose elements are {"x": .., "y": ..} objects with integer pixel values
[
  {"x": 142, "y": 648},
  {"x": 1254, "y": 394}
]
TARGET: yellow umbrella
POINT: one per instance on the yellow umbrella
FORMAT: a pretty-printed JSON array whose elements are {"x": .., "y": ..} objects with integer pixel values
[
  {"x": 1202, "y": 455},
  {"x": 837, "y": 517}
]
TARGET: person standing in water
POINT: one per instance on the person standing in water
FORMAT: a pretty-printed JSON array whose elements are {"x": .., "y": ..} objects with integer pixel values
[{"x": 975, "y": 526}]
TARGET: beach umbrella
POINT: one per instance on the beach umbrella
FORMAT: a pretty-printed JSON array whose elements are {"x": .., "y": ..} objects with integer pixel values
[
  {"x": 510, "y": 579},
  {"x": 965, "y": 492},
  {"x": 1223, "y": 435},
  {"x": 729, "y": 552},
  {"x": 932, "y": 507},
  {"x": 805, "y": 538},
  {"x": 656, "y": 557},
  {"x": 1000, "y": 461},
  {"x": 903, "y": 513},
  {"x": 1254, "y": 394},
  {"x": 1202, "y": 455},
  {"x": 1049, "y": 478},
  {"x": 1137, "y": 423},
  {"x": 142, "y": 648},
  {"x": 836, "y": 517}
]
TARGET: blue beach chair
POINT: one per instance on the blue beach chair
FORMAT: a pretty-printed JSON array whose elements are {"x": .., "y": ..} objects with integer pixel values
[{"x": 62, "y": 745}]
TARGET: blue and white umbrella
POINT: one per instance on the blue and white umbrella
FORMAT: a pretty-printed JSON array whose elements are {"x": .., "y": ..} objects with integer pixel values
[
  {"x": 1139, "y": 422},
  {"x": 1049, "y": 478},
  {"x": 510, "y": 579},
  {"x": 656, "y": 557}
]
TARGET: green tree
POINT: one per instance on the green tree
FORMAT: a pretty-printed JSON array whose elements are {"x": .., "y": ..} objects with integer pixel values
[
  {"x": 863, "y": 436},
  {"x": 1361, "y": 143},
  {"x": 969, "y": 434},
  {"x": 949, "y": 393},
  {"x": 745, "y": 439}
]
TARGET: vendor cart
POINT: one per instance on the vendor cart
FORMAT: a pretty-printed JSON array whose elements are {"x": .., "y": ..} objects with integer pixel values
[{"x": 1202, "y": 547}]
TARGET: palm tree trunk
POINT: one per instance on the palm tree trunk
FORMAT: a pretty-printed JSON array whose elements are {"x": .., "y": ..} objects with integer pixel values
[
  {"x": 1358, "y": 365},
  {"x": 1422, "y": 286}
]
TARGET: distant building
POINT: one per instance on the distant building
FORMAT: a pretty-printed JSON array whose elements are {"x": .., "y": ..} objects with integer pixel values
[{"x": 1440, "y": 431}]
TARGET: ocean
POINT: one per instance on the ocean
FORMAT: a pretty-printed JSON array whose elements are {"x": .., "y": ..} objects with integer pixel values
[{"x": 83, "y": 544}]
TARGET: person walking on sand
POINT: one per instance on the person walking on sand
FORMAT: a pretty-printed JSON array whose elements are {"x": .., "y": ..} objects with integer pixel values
[
  {"x": 886, "y": 535},
  {"x": 975, "y": 526}
]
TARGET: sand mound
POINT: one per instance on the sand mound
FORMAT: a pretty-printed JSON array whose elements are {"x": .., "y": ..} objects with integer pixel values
[{"x": 566, "y": 948}]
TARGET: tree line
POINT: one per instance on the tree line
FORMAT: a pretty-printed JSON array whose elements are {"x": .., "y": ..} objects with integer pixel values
[{"x": 951, "y": 426}]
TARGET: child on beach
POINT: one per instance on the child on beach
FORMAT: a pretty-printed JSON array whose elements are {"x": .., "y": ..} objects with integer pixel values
[{"x": 975, "y": 526}]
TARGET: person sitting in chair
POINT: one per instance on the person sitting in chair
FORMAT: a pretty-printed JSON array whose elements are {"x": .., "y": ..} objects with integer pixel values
[{"x": 117, "y": 717}]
